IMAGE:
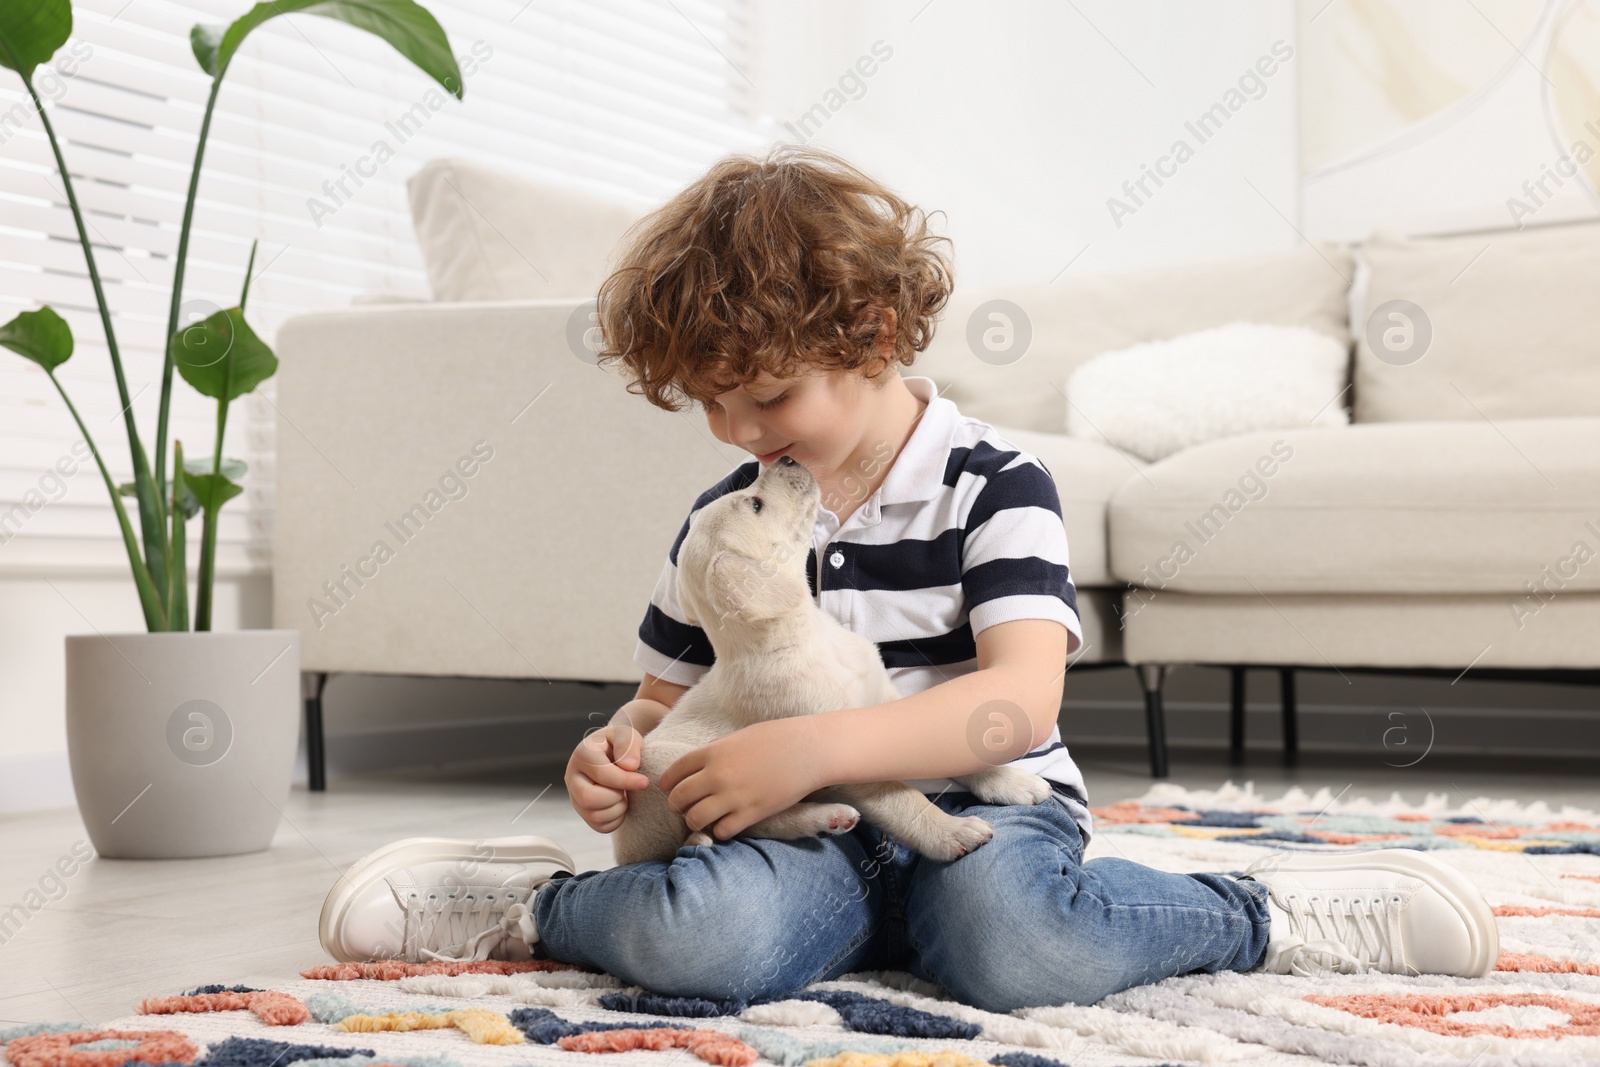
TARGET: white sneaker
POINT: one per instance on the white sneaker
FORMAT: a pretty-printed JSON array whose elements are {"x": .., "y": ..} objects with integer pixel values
[
  {"x": 439, "y": 898},
  {"x": 1395, "y": 910}
]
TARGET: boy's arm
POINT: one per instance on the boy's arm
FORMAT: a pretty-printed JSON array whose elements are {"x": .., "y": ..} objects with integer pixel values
[
  {"x": 1005, "y": 708},
  {"x": 650, "y": 704}
]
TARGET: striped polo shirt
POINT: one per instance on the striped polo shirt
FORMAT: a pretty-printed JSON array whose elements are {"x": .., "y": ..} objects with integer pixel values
[{"x": 964, "y": 532}]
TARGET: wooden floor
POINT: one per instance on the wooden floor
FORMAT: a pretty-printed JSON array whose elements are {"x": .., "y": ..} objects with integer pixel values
[{"x": 126, "y": 929}]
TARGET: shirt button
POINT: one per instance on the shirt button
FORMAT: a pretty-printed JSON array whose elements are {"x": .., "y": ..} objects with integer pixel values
[{"x": 837, "y": 559}]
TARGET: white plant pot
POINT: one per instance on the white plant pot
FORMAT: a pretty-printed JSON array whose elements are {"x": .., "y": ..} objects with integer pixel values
[{"x": 182, "y": 744}]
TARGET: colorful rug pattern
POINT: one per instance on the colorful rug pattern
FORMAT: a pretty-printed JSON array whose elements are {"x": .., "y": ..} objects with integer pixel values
[{"x": 1539, "y": 868}]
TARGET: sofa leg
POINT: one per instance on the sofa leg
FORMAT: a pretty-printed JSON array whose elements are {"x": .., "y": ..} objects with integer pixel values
[
  {"x": 311, "y": 683},
  {"x": 1291, "y": 723},
  {"x": 1236, "y": 714},
  {"x": 1151, "y": 679}
]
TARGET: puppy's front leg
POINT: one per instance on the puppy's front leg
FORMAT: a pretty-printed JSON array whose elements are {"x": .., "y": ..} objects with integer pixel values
[
  {"x": 1006, "y": 785},
  {"x": 800, "y": 820},
  {"x": 908, "y": 816}
]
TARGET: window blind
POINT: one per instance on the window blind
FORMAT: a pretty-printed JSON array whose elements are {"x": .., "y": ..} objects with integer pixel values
[{"x": 626, "y": 98}]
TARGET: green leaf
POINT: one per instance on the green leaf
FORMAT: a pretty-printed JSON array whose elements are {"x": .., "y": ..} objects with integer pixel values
[
  {"x": 211, "y": 490},
  {"x": 407, "y": 26},
  {"x": 31, "y": 31},
  {"x": 221, "y": 356},
  {"x": 232, "y": 469},
  {"x": 42, "y": 336},
  {"x": 203, "y": 41}
]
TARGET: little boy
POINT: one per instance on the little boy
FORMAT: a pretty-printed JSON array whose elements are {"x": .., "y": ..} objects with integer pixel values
[{"x": 782, "y": 296}]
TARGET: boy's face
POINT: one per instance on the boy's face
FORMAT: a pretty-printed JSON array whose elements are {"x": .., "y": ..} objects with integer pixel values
[{"x": 818, "y": 419}]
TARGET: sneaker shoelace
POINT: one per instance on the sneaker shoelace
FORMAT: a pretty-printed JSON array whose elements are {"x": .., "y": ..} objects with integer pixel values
[
  {"x": 1338, "y": 935},
  {"x": 466, "y": 928}
]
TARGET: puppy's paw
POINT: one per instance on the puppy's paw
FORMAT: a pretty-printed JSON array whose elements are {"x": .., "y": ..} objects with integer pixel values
[
  {"x": 1033, "y": 789},
  {"x": 962, "y": 836},
  {"x": 699, "y": 837},
  {"x": 836, "y": 818},
  {"x": 1007, "y": 785}
]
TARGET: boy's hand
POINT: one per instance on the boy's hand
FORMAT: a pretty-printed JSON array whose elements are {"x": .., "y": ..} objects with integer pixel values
[
  {"x": 736, "y": 781},
  {"x": 600, "y": 772}
]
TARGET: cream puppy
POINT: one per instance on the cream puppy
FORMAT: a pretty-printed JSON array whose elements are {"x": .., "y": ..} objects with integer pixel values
[{"x": 742, "y": 578}]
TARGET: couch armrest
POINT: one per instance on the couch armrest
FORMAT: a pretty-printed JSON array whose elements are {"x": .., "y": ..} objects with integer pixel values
[{"x": 458, "y": 493}]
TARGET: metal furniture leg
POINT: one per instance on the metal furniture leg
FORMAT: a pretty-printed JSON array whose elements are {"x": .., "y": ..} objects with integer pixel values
[
  {"x": 1151, "y": 679},
  {"x": 316, "y": 766},
  {"x": 1291, "y": 723},
  {"x": 1236, "y": 715}
]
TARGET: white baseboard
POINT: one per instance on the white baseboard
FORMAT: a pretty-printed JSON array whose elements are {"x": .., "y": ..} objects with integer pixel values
[
  {"x": 41, "y": 781},
  {"x": 36, "y": 781}
]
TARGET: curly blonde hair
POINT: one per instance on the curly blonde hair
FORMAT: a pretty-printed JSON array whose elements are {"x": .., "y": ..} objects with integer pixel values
[{"x": 779, "y": 265}]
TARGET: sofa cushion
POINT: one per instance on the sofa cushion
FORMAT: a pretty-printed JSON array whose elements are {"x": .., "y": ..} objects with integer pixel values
[
  {"x": 1086, "y": 474},
  {"x": 489, "y": 235},
  {"x": 1074, "y": 318},
  {"x": 1160, "y": 397},
  {"x": 1513, "y": 319},
  {"x": 1421, "y": 507}
]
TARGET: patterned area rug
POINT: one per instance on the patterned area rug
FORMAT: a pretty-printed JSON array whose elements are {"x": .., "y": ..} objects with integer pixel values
[{"x": 1539, "y": 868}]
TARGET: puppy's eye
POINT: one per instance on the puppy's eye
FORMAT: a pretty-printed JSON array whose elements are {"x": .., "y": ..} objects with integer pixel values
[{"x": 755, "y": 503}]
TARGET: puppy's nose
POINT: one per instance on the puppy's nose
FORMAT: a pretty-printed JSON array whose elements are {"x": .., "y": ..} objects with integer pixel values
[{"x": 794, "y": 476}]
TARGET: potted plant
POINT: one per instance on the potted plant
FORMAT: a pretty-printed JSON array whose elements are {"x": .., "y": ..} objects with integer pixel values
[{"x": 182, "y": 740}]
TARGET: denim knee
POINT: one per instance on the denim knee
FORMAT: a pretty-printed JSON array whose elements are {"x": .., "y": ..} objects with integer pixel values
[
  {"x": 998, "y": 939},
  {"x": 675, "y": 933},
  {"x": 997, "y": 958},
  {"x": 976, "y": 924}
]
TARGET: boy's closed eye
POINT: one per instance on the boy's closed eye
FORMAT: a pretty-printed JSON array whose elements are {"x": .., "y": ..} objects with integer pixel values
[{"x": 763, "y": 405}]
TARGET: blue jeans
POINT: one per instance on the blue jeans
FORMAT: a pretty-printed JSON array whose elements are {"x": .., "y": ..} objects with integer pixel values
[{"x": 1018, "y": 922}]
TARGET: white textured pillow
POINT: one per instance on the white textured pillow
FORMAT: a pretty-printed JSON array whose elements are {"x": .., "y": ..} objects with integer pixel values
[
  {"x": 1160, "y": 397},
  {"x": 489, "y": 234}
]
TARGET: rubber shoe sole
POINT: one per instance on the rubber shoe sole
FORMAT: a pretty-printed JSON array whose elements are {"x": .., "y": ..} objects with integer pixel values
[
  {"x": 523, "y": 850},
  {"x": 1455, "y": 887}
]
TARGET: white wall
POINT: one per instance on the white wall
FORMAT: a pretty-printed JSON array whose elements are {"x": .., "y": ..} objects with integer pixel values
[{"x": 1020, "y": 120}]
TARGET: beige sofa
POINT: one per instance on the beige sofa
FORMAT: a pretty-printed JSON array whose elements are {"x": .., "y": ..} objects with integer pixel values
[
  {"x": 1453, "y": 526},
  {"x": 1403, "y": 541}
]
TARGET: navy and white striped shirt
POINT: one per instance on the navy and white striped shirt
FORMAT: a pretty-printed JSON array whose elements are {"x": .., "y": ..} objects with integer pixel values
[{"x": 965, "y": 532}]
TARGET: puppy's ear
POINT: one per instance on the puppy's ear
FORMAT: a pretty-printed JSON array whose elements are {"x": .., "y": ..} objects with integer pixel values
[
  {"x": 753, "y": 589},
  {"x": 688, "y": 600}
]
